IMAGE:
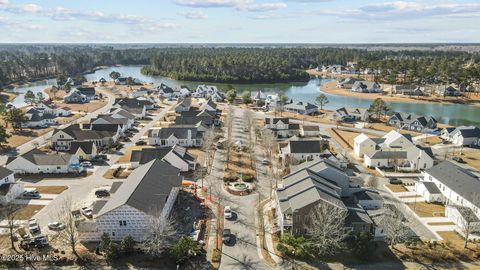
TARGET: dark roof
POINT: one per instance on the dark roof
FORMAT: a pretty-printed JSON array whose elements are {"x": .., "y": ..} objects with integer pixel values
[
  {"x": 368, "y": 195},
  {"x": 193, "y": 120},
  {"x": 80, "y": 134},
  {"x": 431, "y": 187},
  {"x": 4, "y": 172},
  {"x": 148, "y": 154},
  {"x": 274, "y": 120},
  {"x": 458, "y": 179},
  {"x": 146, "y": 188},
  {"x": 305, "y": 146},
  {"x": 311, "y": 128},
  {"x": 389, "y": 155},
  {"x": 87, "y": 91},
  {"x": 38, "y": 157},
  {"x": 178, "y": 132},
  {"x": 87, "y": 147},
  {"x": 470, "y": 132}
]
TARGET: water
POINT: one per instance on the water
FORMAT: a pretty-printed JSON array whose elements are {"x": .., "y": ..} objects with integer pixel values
[
  {"x": 35, "y": 87},
  {"x": 453, "y": 114}
]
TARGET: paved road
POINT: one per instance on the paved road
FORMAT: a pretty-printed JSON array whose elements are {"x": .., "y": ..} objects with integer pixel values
[
  {"x": 80, "y": 189},
  {"x": 244, "y": 251}
]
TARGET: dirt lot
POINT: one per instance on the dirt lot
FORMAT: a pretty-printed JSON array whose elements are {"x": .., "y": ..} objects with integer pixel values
[
  {"x": 25, "y": 135},
  {"x": 323, "y": 118},
  {"x": 128, "y": 153},
  {"x": 199, "y": 153},
  {"x": 86, "y": 108},
  {"x": 396, "y": 188},
  {"x": 386, "y": 128},
  {"x": 424, "y": 209},
  {"x": 26, "y": 212},
  {"x": 239, "y": 163},
  {"x": 440, "y": 223},
  {"x": 49, "y": 189},
  {"x": 472, "y": 158}
]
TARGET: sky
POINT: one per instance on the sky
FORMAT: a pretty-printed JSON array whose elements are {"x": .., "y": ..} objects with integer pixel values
[{"x": 239, "y": 21}]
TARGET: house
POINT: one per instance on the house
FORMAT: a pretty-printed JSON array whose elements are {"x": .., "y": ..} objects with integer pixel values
[
  {"x": 281, "y": 127},
  {"x": 83, "y": 150},
  {"x": 120, "y": 113},
  {"x": 176, "y": 156},
  {"x": 205, "y": 91},
  {"x": 50, "y": 108},
  {"x": 309, "y": 131},
  {"x": 347, "y": 83},
  {"x": 100, "y": 134},
  {"x": 133, "y": 106},
  {"x": 366, "y": 87},
  {"x": 460, "y": 189},
  {"x": 121, "y": 81},
  {"x": 351, "y": 114},
  {"x": 36, "y": 161},
  {"x": 165, "y": 91},
  {"x": 102, "y": 80},
  {"x": 258, "y": 96},
  {"x": 218, "y": 97},
  {"x": 75, "y": 97},
  {"x": 88, "y": 92},
  {"x": 181, "y": 91},
  {"x": 171, "y": 136},
  {"x": 38, "y": 119},
  {"x": 393, "y": 150},
  {"x": 412, "y": 122},
  {"x": 368, "y": 199},
  {"x": 447, "y": 91},
  {"x": 9, "y": 187},
  {"x": 183, "y": 104},
  {"x": 205, "y": 121},
  {"x": 462, "y": 136},
  {"x": 314, "y": 183},
  {"x": 272, "y": 101},
  {"x": 303, "y": 150},
  {"x": 108, "y": 119},
  {"x": 140, "y": 92},
  {"x": 209, "y": 105},
  {"x": 301, "y": 107},
  {"x": 149, "y": 193},
  {"x": 429, "y": 191},
  {"x": 202, "y": 113},
  {"x": 408, "y": 90}
]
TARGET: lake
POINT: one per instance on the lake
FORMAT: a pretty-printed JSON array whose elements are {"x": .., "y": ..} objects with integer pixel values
[
  {"x": 453, "y": 114},
  {"x": 35, "y": 87}
]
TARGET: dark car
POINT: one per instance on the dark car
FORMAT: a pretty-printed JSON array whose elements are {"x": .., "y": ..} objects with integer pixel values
[
  {"x": 140, "y": 143},
  {"x": 459, "y": 159},
  {"x": 395, "y": 181},
  {"x": 227, "y": 236},
  {"x": 102, "y": 193}
]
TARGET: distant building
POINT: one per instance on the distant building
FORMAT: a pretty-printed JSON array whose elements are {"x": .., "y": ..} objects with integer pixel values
[
  {"x": 9, "y": 187},
  {"x": 301, "y": 107},
  {"x": 366, "y": 87},
  {"x": 412, "y": 122},
  {"x": 36, "y": 161}
]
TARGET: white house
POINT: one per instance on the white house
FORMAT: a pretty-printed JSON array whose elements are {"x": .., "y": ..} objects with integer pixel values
[
  {"x": 181, "y": 91},
  {"x": 183, "y": 104},
  {"x": 301, "y": 107},
  {"x": 38, "y": 119},
  {"x": 429, "y": 191},
  {"x": 463, "y": 136},
  {"x": 142, "y": 91},
  {"x": 83, "y": 150},
  {"x": 149, "y": 193},
  {"x": 351, "y": 114},
  {"x": 362, "y": 145},
  {"x": 309, "y": 131},
  {"x": 366, "y": 87},
  {"x": 9, "y": 188},
  {"x": 303, "y": 150},
  {"x": 36, "y": 161},
  {"x": 51, "y": 108},
  {"x": 165, "y": 91},
  {"x": 205, "y": 91},
  {"x": 281, "y": 127},
  {"x": 100, "y": 134},
  {"x": 171, "y": 136}
]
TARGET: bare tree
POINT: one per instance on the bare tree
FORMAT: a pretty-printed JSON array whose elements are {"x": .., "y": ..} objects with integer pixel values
[
  {"x": 208, "y": 143},
  {"x": 469, "y": 223},
  {"x": 160, "y": 234},
  {"x": 327, "y": 228},
  {"x": 393, "y": 226},
  {"x": 70, "y": 233},
  {"x": 9, "y": 213},
  {"x": 371, "y": 181}
]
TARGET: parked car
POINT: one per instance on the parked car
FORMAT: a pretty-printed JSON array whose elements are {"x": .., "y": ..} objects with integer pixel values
[
  {"x": 87, "y": 211},
  {"x": 140, "y": 143},
  {"x": 101, "y": 157},
  {"x": 265, "y": 162},
  {"x": 227, "y": 236},
  {"x": 33, "y": 226},
  {"x": 31, "y": 194},
  {"x": 56, "y": 226},
  {"x": 86, "y": 164},
  {"x": 458, "y": 159},
  {"x": 102, "y": 193},
  {"x": 227, "y": 212},
  {"x": 395, "y": 181}
]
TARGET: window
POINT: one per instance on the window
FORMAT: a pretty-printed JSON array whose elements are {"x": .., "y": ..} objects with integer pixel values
[
  {"x": 113, "y": 233},
  {"x": 123, "y": 222}
]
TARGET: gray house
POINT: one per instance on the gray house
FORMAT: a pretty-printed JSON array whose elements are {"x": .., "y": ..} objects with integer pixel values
[
  {"x": 301, "y": 107},
  {"x": 412, "y": 122},
  {"x": 75, "y": 97}
]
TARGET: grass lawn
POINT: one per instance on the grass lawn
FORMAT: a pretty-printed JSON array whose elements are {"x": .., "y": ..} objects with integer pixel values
[
  {"x": 49, "y": 189},
  {"x": 87, "y": 107},
  {"x": 396, "y": 188},
  {"x": 25, "y": 135},
  {"x": 440, "y": 223},
  {"x": 386, "y": 128},
  {"x": 199, "y": 153},
  {"x": 410, "y": 196},
  {"x": 424, "y": 209},
  {"x": 472, "y": 158},
  {"x": 128, "y": 153},
  {"x": 27, "y": 211}
]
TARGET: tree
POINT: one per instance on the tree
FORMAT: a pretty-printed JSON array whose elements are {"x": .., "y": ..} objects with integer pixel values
[
  {"x": 231, "y": 95},
  {"x": 110, "y": 252},
  {"x": 208, "y": 144},
  {"x": 29, "y": 97},
  {"x": 16, "y": 117},
  {"x": 79, "y": 79},
  {"x": 469, "y": 222},
  {"x": 54, "y": 90},
  {"x": 327, "y": 230},
  {"x": 128, "y": 243},
  {"x": 393, "y": 226},
  {"x": 161, "y": 234},
  {"x": 363, "y": 246},
  {"x": 321, "y": 100},
  {"x": 40, "y": 97},
  {"x": 246, "y": 96},
  {"x": 9, "y": 214},
  {"x": 184, "y": 249},
  {"x": 104, "y": 241},
  {"x": 114, "y": 75},
  {"x": 378, "y": 108},
  {"x": 70, "y": 234},
  {"x": 295, "y": 247},
  {"x": 3, "y": 135},
  {"x": 371, "y": 181}
]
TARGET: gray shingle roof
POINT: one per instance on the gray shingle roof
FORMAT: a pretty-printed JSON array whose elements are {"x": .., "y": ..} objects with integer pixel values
[
  {"x": 40, "y": 158},
  {"x": 87, "y": 147},
  {"x": 310, "y": 147},
  {"x": 431, "y": 187},
  {"x": 4, "y": 172},
  {"x": 389, "y": 155},
  {"x": 146, "y": 188}
]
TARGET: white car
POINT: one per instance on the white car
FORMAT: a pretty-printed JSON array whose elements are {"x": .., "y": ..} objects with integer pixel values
[
  {"x": 227, "y": 212},
  {"x": 33, "y": 226},
  {"x": 87, "y": 211},
  {"x": 56, "y": 226},
  {"x": 86, "y": 164}
]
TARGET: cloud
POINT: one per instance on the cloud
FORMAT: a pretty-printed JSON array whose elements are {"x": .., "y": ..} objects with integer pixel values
[
  {"x": 28, "y": 8},
  {"x": 213, "y": 3},
  {"x": 402, "y": 10},
  {"x": 194, "y": 15},
  {"x": 265, "y": 7}
]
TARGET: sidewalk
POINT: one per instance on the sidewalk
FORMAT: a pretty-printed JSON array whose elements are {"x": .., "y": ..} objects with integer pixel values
[{"x": 268, "y": 235}]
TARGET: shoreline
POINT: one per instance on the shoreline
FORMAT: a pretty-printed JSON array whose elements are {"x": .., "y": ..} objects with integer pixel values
[{"x": 331, "y": 88}]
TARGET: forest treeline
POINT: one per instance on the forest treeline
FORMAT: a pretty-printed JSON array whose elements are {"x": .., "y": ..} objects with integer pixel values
[{"x": 235, "y": 65}]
